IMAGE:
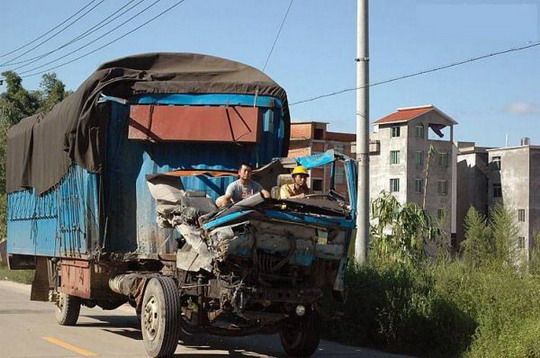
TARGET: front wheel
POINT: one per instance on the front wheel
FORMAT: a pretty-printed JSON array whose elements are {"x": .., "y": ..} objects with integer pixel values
[
  {"x": 67, "y": 309},
  {"x": 160, "y": 317},
  {"x": 301, "y": 337}
]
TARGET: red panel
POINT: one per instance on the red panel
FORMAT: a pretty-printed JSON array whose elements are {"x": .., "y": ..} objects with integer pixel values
[
  {"x": 194, "y": 124},
  {"x": 75, "y": 278}
]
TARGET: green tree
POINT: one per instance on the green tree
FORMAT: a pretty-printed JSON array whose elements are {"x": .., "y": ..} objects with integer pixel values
[
  {"x": 53, "y": 91},
  {"x": 16, "y": 102},
  {"x": 401, "y": 232},
  {"x": 478, "y": 245},
  {"x": 505, "y": 236}
]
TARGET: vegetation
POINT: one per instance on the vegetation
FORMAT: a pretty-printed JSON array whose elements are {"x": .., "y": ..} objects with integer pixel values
[
  {"x": 485, "y": 302},
  {"x": 22, "y": 276}
]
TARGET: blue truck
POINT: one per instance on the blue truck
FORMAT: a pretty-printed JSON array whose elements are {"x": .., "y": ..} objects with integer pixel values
[{"x": 111, "y": 200}]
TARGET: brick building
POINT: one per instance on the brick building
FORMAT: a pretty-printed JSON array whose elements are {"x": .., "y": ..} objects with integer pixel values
[{"x": 309, "y": 138}]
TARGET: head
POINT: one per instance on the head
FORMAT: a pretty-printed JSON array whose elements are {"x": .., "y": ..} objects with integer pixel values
[
  {"x": 300, "y": 176},
  {"x": 244, "y": 171}
]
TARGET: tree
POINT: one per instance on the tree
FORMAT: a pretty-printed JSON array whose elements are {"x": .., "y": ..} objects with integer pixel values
[
  {"x": 17, "y": 103},
  {"x": 53, "y": 91},
  {"x": 401, "y": 232},
  {"x": 505, "y": 236},
  {"x": 477, "y": 248}
]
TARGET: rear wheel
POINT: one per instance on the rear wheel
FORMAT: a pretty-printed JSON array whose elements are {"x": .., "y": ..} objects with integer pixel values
[
  {"x": 160, "y": 317},
  {"x": 67, "y": 309},
  {"x": 301, "y": 337}
]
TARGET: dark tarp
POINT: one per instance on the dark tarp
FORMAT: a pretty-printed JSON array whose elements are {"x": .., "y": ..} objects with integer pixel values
[{"x": 42, "y": 147}]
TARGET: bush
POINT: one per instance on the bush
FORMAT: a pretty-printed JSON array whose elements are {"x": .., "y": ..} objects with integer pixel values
[
  {"x": 439, "y": 310},
  {"x": 398, "y": 309}
]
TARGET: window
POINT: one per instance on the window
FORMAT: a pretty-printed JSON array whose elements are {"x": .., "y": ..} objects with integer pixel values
[
  {"x": 440, "y": 214},
  {"x": 419, "y": 131},
  {"x": 396, "y": 131},
  {"x": 340, "y": 148},
  {"x": 317, "y": 184},
  {"x": 443, "y": 160},
  {"x": 419, "y": 158},
  {"x": 318, "y": 134},
  {"x": 394, "y": 157},
  {"x": 521, "y": 242},
  {"x": 496, "y": 163},
  {"x": 419, "y": 185},
  {"x": 521, "y": 215},
  {"x": 394, "y": 185},
  {"x": 497, "y": 191},
  {"x": 442, "y": 187},
  {"x": 340, "y": 175}
]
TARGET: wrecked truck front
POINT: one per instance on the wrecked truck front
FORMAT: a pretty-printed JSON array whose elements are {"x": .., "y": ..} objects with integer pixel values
[{"x": 270, "y": 251}]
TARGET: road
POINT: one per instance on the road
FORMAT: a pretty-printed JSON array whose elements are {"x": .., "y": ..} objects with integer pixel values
[{"x": 29, "y": 329}]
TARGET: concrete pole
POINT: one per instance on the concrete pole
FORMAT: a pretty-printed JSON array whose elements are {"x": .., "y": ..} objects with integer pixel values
[{"x": 362, "y": 131}]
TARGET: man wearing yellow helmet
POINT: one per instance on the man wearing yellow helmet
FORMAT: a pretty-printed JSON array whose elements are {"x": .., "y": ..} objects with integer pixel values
[{"x": 298, "y": 189}]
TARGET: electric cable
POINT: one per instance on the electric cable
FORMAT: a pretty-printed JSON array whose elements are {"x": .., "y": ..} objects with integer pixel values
[
  {"x": 277, "y": 35},
  {"x": 515, "y": 49},
  {"x": 91, "y": 42},
  {"x": 48, "y": 32},
  {"x": 53, "y": 35},
  {"x": 122, "y": 10},
  {"x": 110, "y": 42}
]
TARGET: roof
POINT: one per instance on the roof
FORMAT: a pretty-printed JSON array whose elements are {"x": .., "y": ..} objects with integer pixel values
[{"x": 407, "y": 114}]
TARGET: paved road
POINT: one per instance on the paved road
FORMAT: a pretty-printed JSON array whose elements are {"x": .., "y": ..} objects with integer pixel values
[{"x": 28, "y": 329}]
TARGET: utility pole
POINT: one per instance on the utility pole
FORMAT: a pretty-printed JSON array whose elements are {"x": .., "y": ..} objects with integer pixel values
[{"x": 362, "y": 131}]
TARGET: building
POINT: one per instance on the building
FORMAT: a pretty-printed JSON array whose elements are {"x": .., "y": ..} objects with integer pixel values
[
  {"x": 309, "y": 138},
  {"x": 410, "y": 159},
  {"x": 514, "y": 181},
  {"x": 509, "y": 176},
  {"x": 471, "y": 182}
]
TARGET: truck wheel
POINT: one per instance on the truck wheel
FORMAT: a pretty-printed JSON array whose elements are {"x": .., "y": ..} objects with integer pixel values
[
  {"x": 160, "y": 321},
  {"x": 301, "y": 337},
  {"x": 67, "y": 309}
]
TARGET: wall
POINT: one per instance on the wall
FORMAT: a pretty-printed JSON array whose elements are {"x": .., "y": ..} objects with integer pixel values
[
  {"x": 472, "y": 188},
  {"x": 514, "y": 178}
]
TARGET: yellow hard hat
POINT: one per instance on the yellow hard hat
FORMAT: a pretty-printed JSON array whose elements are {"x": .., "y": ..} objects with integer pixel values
[{"x": 300, "y": 170}]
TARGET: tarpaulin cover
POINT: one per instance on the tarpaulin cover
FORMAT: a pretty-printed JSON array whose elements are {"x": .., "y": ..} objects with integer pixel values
[{"x": 42, "y": 147}]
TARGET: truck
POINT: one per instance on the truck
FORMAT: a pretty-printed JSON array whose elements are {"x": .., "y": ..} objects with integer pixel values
[{"x": 111, "y": 199}]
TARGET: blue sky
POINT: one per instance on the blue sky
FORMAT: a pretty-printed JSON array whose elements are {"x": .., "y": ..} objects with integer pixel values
[{"x": 316, "y": 50}]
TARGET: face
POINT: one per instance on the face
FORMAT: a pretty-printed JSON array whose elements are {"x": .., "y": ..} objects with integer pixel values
[
  {"x": 300, "y": 180},
  {"x": 244, "y": 172}
]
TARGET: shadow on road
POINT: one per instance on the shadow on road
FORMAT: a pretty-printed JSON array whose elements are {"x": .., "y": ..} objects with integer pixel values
[{"x": 203, "y": 344}]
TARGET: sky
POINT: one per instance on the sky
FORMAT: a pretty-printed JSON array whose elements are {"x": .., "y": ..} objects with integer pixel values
[{"x": 490, "y": 99}]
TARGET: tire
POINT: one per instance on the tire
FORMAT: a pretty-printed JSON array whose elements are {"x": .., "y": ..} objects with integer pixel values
[
  {"x": 301, "y": 337},
  {"x": 67, "y": 309},
  {"x": 160, "y": 321}
]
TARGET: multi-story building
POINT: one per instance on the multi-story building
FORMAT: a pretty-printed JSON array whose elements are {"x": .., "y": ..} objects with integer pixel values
[
  {"x": 514, "y": 181},
  {"x": 509, "y": 176},
  {"x": 471, "y": 182},
  {"x": 409, "y": 159},
  {"x": 309, "y": 138}
]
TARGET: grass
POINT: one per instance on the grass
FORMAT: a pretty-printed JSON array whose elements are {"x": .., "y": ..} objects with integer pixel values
[
  {"x": 438, "y": 310},
  {"x": 22, "y": 276}
]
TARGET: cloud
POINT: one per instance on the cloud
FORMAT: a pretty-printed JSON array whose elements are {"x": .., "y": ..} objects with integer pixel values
[{"x": 522, "y": 108}]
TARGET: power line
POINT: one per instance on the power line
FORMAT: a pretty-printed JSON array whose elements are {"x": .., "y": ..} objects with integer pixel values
[
  {"x": 91, "y": 42},
  {"x": 109, "y": 43},
  {"x": 515, "y": 49},
  {"x": 277, "y": 35},
  {"x": 122, "y": 10},
  {"x": 48, "y": 32},
  {"x": 53, "y": 35}
]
